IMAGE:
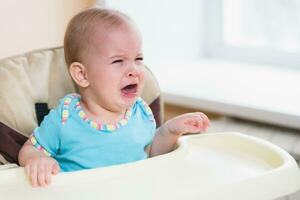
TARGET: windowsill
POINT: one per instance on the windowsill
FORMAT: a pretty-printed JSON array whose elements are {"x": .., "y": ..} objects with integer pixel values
[{"x": 248, "y": 91}]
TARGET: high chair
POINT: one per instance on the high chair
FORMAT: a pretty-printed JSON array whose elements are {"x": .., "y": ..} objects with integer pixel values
[{"x": 205, "y": 166}]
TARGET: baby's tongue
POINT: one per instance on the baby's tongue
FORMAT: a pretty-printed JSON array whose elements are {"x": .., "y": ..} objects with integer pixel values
[{"x": 130, "y": 89}]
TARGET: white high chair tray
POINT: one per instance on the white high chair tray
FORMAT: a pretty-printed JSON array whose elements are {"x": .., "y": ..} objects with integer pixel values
[{"x": 205, "y": 166}]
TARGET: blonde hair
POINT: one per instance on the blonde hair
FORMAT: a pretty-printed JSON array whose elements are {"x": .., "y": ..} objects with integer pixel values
[{"x": 80, "y": 30}]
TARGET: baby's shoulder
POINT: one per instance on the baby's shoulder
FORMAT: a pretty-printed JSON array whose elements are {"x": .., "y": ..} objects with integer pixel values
[
  {"x": 59, "y": 114},
  {"x": 67, "y": 105},
  {"x": 142, "y": 104},
  {"x": 144, "y": 107}
]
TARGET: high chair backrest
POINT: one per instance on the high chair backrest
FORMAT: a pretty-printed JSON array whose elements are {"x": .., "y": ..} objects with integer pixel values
[{"x": 31, "y": 83}]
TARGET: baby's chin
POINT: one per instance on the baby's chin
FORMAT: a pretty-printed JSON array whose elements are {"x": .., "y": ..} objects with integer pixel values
[
  {"x": 129, "y": 98},
  {"x": 126, "y": 103},
  {"x": 129, "y": 102}
]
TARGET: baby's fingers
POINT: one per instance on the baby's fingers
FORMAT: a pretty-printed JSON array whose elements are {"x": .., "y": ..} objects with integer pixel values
[
  {"x": 55, "y": 169},
  {"x": 41, "y": 174},
  {"x": 48, "y": 174},
  {"x": 33, "y": 175},
  {"x": 52, "y": 169},
  {"x": 194, "y": 124},
  {"x": 198, "y": 122},
  {"x": 205, "y": 120}
]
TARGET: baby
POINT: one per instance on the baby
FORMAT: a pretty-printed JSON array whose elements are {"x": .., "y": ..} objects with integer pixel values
[{"x": 107, "y": 123}]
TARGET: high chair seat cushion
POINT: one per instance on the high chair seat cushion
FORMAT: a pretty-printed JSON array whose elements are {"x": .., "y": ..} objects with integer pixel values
[{"x": 42, "y": 76}]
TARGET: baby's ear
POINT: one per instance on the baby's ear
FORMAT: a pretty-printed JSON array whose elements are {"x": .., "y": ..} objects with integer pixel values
[{"x": 79, "y": 74}]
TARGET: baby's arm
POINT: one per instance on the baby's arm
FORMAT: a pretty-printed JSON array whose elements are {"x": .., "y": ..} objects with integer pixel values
[
  {"x": 167, "y": 135},
  {"x": 38, "y": 166}
]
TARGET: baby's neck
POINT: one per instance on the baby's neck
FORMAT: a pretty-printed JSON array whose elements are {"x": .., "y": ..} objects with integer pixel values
[{"x": 99, "y": 114}]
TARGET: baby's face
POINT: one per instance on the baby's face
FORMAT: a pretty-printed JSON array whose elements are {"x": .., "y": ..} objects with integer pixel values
[{"x": 115, "y": 69}]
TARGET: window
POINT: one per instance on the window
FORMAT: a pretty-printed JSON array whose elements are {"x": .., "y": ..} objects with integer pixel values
[{"x": 262, "y": 31}]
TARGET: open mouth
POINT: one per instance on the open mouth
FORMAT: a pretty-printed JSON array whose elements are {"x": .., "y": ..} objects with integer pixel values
[{"x": 130, "y": 89}]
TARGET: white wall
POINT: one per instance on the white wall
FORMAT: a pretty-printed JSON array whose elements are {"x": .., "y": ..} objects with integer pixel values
[
  {"x": 172, "y": 29},
  {"x": 33, "y": 24}
]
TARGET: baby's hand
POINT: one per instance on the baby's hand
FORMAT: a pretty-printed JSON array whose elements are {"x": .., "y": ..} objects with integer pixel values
[
  {"x": 40, "y": 169},
  {"x": 188, "y": 123}
]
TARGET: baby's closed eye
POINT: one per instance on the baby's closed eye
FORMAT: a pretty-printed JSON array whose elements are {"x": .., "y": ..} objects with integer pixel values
[{"x": 117, "y": 61}]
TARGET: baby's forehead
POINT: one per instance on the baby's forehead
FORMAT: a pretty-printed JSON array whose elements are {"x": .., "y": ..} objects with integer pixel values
[{"x": 101, "y": 32}]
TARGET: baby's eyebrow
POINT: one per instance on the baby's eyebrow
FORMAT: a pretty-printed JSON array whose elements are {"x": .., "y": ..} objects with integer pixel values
[{"x": 116, "y": 56}]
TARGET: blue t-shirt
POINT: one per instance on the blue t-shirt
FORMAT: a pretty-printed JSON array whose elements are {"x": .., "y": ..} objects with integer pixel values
[{"x": 77, "y": 142}]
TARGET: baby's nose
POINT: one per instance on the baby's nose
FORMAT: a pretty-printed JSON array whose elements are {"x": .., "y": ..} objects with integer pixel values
[{"x": 133, "y": 71}]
